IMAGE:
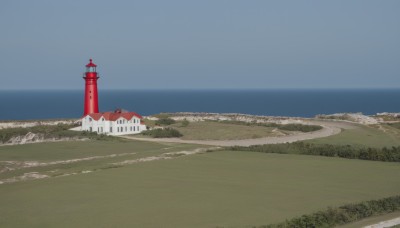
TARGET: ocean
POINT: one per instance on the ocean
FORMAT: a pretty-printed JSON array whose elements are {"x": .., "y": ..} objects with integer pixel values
[{"x": 26, "y": 105}]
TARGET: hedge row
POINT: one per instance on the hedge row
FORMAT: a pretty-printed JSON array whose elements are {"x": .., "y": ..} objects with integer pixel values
[
  {"x": 342, "y": 215},
  {"x": 285, "y": 127},
  {"x": 164, "y": 121},
  {"x": 162, "y": 133},
  {"x": 374, "y": 154}
]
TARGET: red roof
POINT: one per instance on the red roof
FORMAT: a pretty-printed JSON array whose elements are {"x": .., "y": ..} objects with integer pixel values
[
  {"x": 91, "y": 64},
  {"x": 113, "y": 116}
]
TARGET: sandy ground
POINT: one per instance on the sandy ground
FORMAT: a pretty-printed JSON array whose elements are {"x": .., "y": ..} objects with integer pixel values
[
  {"x": 387, "y": 223},
  {"x": 329, "y": 128}
]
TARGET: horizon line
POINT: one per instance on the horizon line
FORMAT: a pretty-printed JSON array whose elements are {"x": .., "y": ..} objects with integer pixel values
[{"x": 203, "y": 89}]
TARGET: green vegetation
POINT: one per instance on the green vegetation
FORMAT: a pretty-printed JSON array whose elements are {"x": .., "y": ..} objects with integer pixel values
[
  {"x": 104, "y": 153},
  {"x": 299, "y": 127},
  {"x": 162, "y": 115},
  {"x": 374, "y": 154},
  {"x": 395, "y": 125},
  {"x": 50, "y": 131},
  {"x": 90, "y": 184},
  {"x": 164, "y": 121},
  {"x": 224, "y": 188},
  {"x": 162, "y": 133},
  {"x": 212, "y": 130},
  {"x": 345, "y": 116},
  {"x": 342, "y": 215},
  {"x": 285, "y": 127},
  {"x": 227, "y": 130},
  {"x": 38, "y": 121},
  {"x": 185, "y": 123},
  {"x": 362, "y": 136}
]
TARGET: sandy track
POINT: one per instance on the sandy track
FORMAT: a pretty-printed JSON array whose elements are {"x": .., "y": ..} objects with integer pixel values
[
  {"x": 37, "y": 175},
  {"x": 383, "y": 224},
  {"x": 329, "y": 128},
  {"x": 14, "y": 165}
]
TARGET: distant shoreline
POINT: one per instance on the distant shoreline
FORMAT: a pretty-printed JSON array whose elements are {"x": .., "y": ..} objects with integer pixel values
[{"x": 24, "y": 105}]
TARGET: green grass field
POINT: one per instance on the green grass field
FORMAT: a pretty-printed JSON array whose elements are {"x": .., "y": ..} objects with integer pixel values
[
  {"x": 224, "y": 188},
  {"x": 210, "y": 130},
  {"x": 368, "y": 136},
  {"x": 105, "y": 153}
]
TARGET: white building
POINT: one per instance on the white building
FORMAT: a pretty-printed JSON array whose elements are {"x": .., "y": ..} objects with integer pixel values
[{"x": 113, "y": 123}]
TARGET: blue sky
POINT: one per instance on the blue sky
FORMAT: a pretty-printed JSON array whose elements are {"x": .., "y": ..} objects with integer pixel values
[{"x": 44, "y": 44}]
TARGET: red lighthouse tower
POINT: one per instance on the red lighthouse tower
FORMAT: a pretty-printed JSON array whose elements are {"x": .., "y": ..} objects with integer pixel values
[{"x": 91, "y": 95}]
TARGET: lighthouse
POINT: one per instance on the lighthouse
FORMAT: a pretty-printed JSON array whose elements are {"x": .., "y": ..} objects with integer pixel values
[
  {"x": 119, "y": 122},
  {"x": 91, "y": 96}
]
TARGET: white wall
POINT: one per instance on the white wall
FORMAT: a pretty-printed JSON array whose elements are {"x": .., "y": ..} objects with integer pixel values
[{"x": 119, "y": 127}]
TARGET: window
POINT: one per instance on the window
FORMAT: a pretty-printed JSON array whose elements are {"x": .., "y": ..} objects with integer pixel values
[
  {"x": 110, "y": 129},
  {"x": 126, "y": 128},
  {"x": 102, "y": 119},
  {"x": 90, "y": 128},
  {"x": 134, "y": 128},
  {"x": 90, "y": 119}
]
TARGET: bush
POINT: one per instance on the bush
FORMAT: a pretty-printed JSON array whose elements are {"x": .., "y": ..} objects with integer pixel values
[
  {"x": 185, "y": 123},
  {"x": 285, "y": 127},
  {"x": 165, "y": 121},
  {"x": 163, "y": 133},
  {"x": 50, "y": 131},
  {"x": 373, "y": 154},
  {"x": 395, "y": 125},
  {"x": 299, "y": 127},
  {"x": 332, "y": 217}
]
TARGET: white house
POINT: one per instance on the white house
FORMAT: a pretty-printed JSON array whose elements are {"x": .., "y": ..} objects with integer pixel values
[{"x": 113, "y": 123}]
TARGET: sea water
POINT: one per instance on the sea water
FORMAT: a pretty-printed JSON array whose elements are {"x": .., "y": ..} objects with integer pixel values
[{"x": 25, "y": 105}]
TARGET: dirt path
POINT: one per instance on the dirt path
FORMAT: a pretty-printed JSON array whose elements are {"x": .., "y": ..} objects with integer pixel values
[
  {"x": 329, "y": 128},
  {"x": 37, "y": 175},
  {"x": 387, "y": 223}
]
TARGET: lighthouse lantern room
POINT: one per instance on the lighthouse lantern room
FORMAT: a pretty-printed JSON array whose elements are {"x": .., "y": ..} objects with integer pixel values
[{"x": 91, "y": 95}]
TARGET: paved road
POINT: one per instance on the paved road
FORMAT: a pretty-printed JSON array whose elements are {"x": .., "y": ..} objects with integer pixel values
[{"x": 329, "y": 128}]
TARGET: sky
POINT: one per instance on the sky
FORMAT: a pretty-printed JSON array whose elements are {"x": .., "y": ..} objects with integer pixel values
[{"x": 207, "y": 44}]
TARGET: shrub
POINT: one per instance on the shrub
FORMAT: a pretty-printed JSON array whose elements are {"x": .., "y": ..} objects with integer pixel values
[
  {"x": 285, "y": 127},
  {"x": 185, "y": 123},
  {"x": 332, "y": 217},
  {"x": 374, "y": 154},
  {"x": 165, "y": 121},
  {"x": 395, "y": 125},
  {"x": 299, "y": 127},
  {"x": 50, "y": 131},
  {"x": 163, "y": 133}
]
